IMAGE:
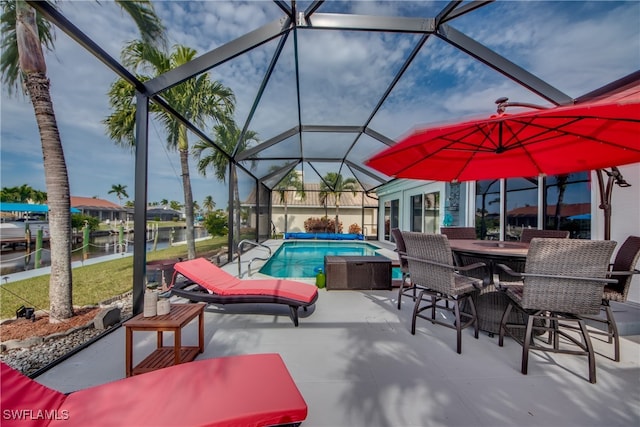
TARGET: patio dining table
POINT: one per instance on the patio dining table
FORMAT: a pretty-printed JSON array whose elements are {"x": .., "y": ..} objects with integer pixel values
[{"x": 491, "y": 302}]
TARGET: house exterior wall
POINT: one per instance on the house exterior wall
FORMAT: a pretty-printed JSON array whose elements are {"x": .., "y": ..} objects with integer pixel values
[
  {"x": 297, "y": 215},
  {"x": 403, "y": 190},
  {"x": 625, "y": 215}
]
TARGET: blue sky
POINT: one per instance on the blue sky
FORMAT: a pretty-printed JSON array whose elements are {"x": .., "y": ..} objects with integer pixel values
[{"x": 575, "y": 46}]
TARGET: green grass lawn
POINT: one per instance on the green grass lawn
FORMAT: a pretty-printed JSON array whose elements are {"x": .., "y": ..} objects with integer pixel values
[{"x": 92, "y": 283}]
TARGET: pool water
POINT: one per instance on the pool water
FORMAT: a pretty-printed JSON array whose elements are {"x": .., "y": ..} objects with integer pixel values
[{"x": 302, "y": 259}]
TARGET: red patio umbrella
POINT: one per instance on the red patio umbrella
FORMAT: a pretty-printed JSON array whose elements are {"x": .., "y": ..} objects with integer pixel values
[{"x": 581, "y": 137}]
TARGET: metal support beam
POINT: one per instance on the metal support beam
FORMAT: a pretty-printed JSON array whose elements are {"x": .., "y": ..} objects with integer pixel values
[
  {"x": 53, "y": 15},
  {"x": 336, "y": 21},
  {"x": 360, "y": 169},
  {"x": 220, "y": 55},
  {"x": 502, "y": 65},
  {"x": 140, "y": 204},
  {"x": 380, "y": 137},
  {"x": 248, "y": 153},
  {"x": 446, "y": 16},
  {"x": 263, "y": 85},
  {"x": 332, "y": 128},
  {"x": 283, "y": 171}
]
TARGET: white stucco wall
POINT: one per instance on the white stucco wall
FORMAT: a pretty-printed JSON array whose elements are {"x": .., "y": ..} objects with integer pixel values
[{"x": 625, "y": 215}]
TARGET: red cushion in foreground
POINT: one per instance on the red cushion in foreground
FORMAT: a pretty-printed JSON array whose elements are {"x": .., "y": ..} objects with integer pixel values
[{"x": 247, "y": 390}]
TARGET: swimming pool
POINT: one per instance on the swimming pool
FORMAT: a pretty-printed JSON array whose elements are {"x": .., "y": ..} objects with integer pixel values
[{"x": 301, "y": 259}]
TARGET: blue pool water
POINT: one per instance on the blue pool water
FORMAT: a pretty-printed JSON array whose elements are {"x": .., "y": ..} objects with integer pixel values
[{"x": 302, "y": 259}]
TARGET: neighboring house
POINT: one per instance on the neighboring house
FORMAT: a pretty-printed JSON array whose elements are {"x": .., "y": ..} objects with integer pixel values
[
  {"x": 99, "y": 208},
  {"x": 359, "y": 209},
  {"x": 163, "y": 214}
]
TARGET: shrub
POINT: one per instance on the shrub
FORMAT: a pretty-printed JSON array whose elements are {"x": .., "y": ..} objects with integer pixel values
[
  {"x": 78, "y": 220},
  {"x": 216, "y": 223},
  {"x": 321, "y": 225},
  {"x": 355, "y": 229}
]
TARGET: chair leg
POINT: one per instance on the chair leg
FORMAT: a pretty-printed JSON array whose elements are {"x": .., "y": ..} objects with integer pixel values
[
  {"x": 556, "y": 335},
  {"x": 434, "y": 302},
  {"x": 503, "y": 323},
  {"x": 456, "y": 310},
  {"x": 416, "y": 309},
  {"x": 526, "y": 344},
  {"x": 294, "y": 314},
  {"x": 590, "y": 353},
  {"x": 400, "y": 293},
  {"x": 474, "y": 313},
  {"x": 613, "y": 332}
]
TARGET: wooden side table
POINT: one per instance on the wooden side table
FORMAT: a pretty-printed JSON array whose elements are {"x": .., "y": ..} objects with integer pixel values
[{"x": 179, "y": 316}]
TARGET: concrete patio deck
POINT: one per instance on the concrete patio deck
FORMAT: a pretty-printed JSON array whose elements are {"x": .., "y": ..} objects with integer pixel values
[{"x": 357, "y": 364}]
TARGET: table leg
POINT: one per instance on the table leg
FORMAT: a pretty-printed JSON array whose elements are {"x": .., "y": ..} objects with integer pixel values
[
  {"x": 177, "y": 345},
  {"x": 160, "y": 340},
  {"x": 201, "y": 331},
  {"x": 128, "y": 351}
]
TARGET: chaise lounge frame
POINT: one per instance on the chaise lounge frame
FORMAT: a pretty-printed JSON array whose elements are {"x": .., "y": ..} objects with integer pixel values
[{"x": 205, "y": 292}]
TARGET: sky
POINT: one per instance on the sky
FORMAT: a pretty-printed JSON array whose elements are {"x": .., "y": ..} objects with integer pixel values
[{"x": 575, "y": 46}]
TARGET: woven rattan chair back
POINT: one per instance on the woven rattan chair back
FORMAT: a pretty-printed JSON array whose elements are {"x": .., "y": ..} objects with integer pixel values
[
  {"x": 459, "y": 232},
  {"x": 400, "y": 246},
  {"x": 431, "y": 247},
  {"x": 626, "y": 260},
  {"x": 575, "y": 259},
  {"x": 530, "y": 233}
]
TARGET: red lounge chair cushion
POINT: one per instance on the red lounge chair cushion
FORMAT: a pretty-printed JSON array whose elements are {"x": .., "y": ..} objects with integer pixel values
[
  {"x": 220, "y": 282},
  {"x": 247, "y": 390},
  {"x": 24, "y": 400}
]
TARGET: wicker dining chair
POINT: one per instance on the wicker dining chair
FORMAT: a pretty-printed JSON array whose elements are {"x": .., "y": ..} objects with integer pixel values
[
  {"x": 411, "y": 288},
  {"x": 563, "y": 280},
  {"x": 622, "y": 270},
  {"x": 459, "y": 232},
  {"x": 530, "y": 233},
  {"x": 430, "y": 265}
]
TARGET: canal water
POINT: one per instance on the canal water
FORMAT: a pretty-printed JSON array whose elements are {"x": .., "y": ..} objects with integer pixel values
[{"x": 15, "y": 260}]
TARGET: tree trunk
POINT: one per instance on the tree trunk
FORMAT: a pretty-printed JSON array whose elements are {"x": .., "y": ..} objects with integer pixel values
[
  {"x": 562, "y": 187},
  {"x": 188, "y": 195},
  {"x": 32, "y": 64}
]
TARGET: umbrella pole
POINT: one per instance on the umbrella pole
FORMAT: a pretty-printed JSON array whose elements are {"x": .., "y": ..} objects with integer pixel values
[{"x": 613, "y": 177}]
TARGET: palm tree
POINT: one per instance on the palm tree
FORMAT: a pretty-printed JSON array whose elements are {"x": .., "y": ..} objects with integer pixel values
[
  {"x": 291, "y": 180},
  {"x": 22, "y": 194},
  {"x": 209, "y": 204},
  {"x": 24, "y": 35},
  {"x": 226, "y": 136},
  {"x": 164, "y": 203},
  {"x": 120, "y": 191},
  {"x": 198, "y": 99},
  {"x": 334, "y": 184}
]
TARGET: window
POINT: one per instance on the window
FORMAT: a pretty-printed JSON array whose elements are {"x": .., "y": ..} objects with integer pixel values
[
  {"x": 432, "y": 212},
  {"x": 416, "y": 213},
  {"x": 488, "y": 209},
  {"x": 391, "y": 216},
  {"x": 521, "y": 201},
  {"x": 568, "y": 204}
]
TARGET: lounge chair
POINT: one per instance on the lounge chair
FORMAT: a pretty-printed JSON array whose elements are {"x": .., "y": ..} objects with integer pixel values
[
  {"x": 246, "y": 390},
  {"x": 216, "y": 286}
]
